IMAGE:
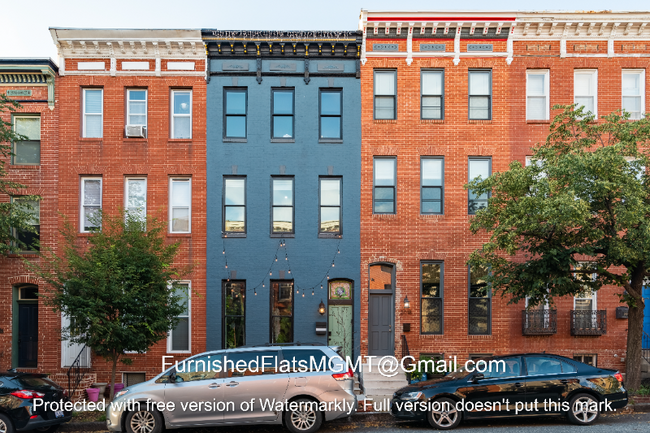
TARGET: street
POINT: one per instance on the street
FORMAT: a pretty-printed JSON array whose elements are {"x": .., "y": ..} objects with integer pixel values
[{"x": 609, "y": 423}]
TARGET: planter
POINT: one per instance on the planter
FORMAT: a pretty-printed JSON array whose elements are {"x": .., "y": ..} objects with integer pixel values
[
  {"x": 118, "y": 387},
  {"x": 101, "y": 386},
  {"x": 93, "y": 394}
]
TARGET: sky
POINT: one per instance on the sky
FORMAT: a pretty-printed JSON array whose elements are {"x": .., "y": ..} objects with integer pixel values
[{"x": 25, "y": 23}]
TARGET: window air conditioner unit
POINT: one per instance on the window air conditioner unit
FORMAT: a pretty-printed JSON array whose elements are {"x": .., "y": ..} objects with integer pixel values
[{"x": 136, "y": 131}]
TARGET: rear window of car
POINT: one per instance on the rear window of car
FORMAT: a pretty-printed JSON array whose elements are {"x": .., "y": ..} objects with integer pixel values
[
  {"x": 35, "y": 382},
  {"x": 306, "y": 360}
]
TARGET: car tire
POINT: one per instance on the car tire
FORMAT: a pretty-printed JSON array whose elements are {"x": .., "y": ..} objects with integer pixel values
[
  {"x": 583, "y": 409},
  {"x": 307, "y": 420},
  {"x": 50, "y": 429},
  {"x": 443, "y": 414},
  {"x": 6, "y": 426},
  {"x": 144, "y": 421}
]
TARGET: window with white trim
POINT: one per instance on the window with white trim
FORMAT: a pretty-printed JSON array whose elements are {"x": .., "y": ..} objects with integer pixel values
[
  {"x": 179, "y": 339},
  {"x": 135, "y": 197},
  {"x": 180, "y": 205},
  {"x": 633, "y": 92},
  {"x": 585, "y": 90},
  {"x": 93, "y": 113},
  {"x": 136, "y": 107},
  {"x": 91, "y": 203},
  {"x": 431, "y": 185},
  {"x": 480, "y": 94},
  {"x": 385, "y": 94},
  {"x": 27, "y": 151},
  {"x": 432, "y": 90},
  {"x": 537, "y": 94},
  {"x": 181, "y": 114}
]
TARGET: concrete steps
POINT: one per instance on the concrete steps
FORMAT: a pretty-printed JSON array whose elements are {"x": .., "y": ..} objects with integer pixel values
[{"x": 378, "y": 388}]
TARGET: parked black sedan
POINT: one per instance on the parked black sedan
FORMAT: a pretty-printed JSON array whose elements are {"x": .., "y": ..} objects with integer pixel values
[
  {"x": 513, "y": 385},
  {"x": 17, "y": 394}
]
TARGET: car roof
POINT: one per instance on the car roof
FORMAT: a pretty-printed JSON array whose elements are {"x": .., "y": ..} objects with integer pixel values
[{"x": 19, "y": 373}]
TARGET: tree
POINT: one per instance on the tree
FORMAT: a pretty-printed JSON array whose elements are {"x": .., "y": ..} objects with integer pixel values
[
  {"x": 16, "y": 217},
  {"x": 119, "y": 289},
  {"x": 576, "y": 219}
]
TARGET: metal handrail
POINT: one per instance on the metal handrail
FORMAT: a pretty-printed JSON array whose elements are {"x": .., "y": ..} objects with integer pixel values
[
  {"x": 406, "y": 356},
  {"x": 588, "y": 322},
  {"x": 539, "y": 322},
  {"x": 75, "y": 369}
]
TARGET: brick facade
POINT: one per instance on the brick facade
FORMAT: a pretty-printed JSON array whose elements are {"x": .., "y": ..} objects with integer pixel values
[{"x": 407, "y": 237}]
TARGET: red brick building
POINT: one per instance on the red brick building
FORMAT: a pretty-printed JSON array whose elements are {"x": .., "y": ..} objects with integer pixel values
[
  {"x": 449, "y": 96},
  {"x": 132, "y": 135},
  {"x": 24, "y": 321}
]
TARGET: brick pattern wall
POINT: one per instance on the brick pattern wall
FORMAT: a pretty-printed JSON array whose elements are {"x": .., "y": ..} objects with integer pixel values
[{"x": 407, "y": 238}]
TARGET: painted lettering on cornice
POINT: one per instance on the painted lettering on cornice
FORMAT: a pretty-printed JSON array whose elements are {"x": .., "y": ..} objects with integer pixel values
[{"x": 279, "y": 34}]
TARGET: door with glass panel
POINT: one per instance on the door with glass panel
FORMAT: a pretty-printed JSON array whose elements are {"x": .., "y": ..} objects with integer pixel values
[{"x": 234, "y": 314}]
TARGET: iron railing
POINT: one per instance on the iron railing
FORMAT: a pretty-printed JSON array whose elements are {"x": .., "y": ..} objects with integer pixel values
[
  {"x": 406, "y": 357},
  {"x": 588, "y": 322},
  {"x": 75, "y": 375},
  {"x": 539, "y": 322},
  {"x": 645, "y": 346}
]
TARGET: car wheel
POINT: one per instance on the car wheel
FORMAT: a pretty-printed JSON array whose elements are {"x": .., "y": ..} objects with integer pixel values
[
  {"x": 144, "y": 421},
  {"x": 305, "y": 419},
  {"x": 50, "y": 429},
  {"x": 583, "y": 409},
  {"x": 5, "y": 424},
  {"x": 443, "y": 414}
]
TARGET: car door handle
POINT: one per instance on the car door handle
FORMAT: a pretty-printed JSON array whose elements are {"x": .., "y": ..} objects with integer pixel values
[
  {"x": 214, "y": 385},
  {"x": 565, "y": 381},
  {"x": 519, "y": 385},
  {"x": 232, "y": 384}
]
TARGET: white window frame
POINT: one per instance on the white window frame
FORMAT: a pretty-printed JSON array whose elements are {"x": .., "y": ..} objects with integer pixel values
[
  {"x": 174, "y": 115},
  {"x": 146, "y": 106},
  {"x": 593, "y": 72},
  {"x": 547, "y": 93},
  {"x": 126, "y": 192},
  {"x": 171, "y": 208},
  {"x": 84, "y": 114},
  {"x": 640, "y": 72},
  {"x": 189, "y": 321},
  {"x": 81, "y": 199}
]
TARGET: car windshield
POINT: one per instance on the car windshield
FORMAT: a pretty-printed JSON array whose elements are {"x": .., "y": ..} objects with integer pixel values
[{"x": 35, "y": 382}]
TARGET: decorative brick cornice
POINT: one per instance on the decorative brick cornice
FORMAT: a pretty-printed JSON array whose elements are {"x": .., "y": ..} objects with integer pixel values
[{"x": 24, "y": 279}]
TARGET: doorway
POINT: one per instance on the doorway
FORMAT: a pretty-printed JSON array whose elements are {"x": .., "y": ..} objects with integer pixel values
[
  {"x": 27, "y": 326},
  {"x": 381, "y": 309},
  {"x": 340, "y": 315}
]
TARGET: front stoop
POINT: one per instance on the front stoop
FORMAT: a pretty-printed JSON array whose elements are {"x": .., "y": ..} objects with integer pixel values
[{"x": 378, "y": 389}]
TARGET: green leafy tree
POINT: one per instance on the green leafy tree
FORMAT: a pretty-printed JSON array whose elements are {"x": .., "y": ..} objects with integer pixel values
[
  {"x": 117, "y": 287},
  {"x": 576, "y": 219},
  {"x": 15, "y": 216}
]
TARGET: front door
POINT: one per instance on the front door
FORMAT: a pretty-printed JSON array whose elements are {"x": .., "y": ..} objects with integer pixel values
[
  {"x": 27, "y": 335},
  {"x": 340, "y": 328},
  {"x": 380, "y": 326}
]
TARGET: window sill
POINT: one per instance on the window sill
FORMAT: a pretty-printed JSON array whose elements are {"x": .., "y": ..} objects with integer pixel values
[
  {"x": 480, "y": 121},
  {"x": 432, "y": 216},
  {"x": 432, "y": 335},
  {"x": 479, "y": 337},
  {"x": 532, "y": 122},
  {"x": 85, "y": 234},
  {"x": 330, "y": 141},
  {"x": 384, "y": 216},
  {"x": 179, "y": 351},
  {"x": 179, "y": 235},
  {"x": 233, "y": 235},
  {"x": 24, "y": 167},
  {"x": 91, "y": 140},
  {"x": 379, "y": 121},
  {"x": 283, "y": 235},
  {"x": 283, "y": 140},
  {"x": 235, "y": 140},
  {"x": 134, "y": 140},
  {"x": 179, "y": 141},
  {"x": 434, "y": 121},
  {"x": 329, "y": 236}
]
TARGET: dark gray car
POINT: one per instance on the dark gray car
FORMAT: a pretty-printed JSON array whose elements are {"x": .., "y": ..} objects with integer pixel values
[{"x": 297, "y": 386}]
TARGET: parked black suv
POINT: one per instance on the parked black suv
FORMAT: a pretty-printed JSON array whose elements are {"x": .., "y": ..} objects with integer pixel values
[{"x": 17, "y": 394}]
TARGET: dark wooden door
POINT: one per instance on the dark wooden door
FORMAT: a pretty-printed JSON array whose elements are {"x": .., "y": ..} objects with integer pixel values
[
  {"x": 380, "y": 328},
  {"x": 27, "y": 335}
]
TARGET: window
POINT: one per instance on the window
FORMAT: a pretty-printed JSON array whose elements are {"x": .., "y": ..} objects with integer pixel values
[
  {"x": 181, "y": 114},
  {"x": 93, "y": 109},
  {"x": 91, "y": 203},
  {"x": 331, "y": 109},
  {"x": 432, "y": 94},
  {"x": 479, "y": 301},
  {"x": 431, "y": 185},
  {"x": 385, "y": 94},
  {"x": 28, "y": 151},
  {"x": 330, "y": 206},
  {"x": 136, "y": 107},
  {"x": 431, "y": 298},
  {"x": 234, "y": 205},
  {"x": 234, "y": 314},
  {"x": 537, "y": 95},
  {"x": 480, "y": 95},
  {"x": 180, "y": 209},
  {"x": 253, "y": 363},
  {"x": 29, "y": 240},
  {"x": 384, "y": 185},
  {"x": 236, "y": 106},
  {"x": 587, "y": 359},
  {"x": 307, "y": 360},
  {"x": 282, "y": 212},
  {"x": 633, "y": 93},
  {"x": 179, "y": 337},
  {"x": 283, "y": 110},
  {"x": 507, "y": 367},
  {"x": 281, "y": 311},
  {"x": 478, "y": 168},
  {"x": 585, "y": 90},
  {"x": 135, "y": 197},
  {"x": 542, "y": 365}
]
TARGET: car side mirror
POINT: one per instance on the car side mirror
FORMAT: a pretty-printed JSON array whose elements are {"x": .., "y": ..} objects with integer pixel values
[{"x": 477, "y": 377}]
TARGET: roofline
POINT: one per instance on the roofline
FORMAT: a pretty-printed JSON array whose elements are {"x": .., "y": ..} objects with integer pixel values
[{"x": 29, "y": 62}]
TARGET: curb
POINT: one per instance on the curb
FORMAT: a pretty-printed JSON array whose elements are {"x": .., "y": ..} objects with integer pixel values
[{"x": 84, "y": 426}]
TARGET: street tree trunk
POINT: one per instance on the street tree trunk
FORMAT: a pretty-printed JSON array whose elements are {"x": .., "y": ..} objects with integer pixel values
[
  {"x": 114, "y": 367},
  {"x": 633, "y": 358}
]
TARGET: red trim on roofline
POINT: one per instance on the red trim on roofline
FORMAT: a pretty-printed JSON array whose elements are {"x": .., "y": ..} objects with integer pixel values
[{"x": 444, "y": 19}]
